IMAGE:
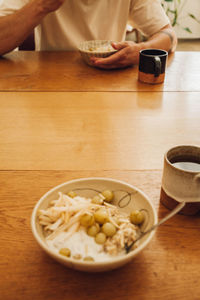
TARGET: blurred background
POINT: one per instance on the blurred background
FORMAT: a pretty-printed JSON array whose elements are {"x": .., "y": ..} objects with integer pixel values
[{"x": 185, "y": 19}]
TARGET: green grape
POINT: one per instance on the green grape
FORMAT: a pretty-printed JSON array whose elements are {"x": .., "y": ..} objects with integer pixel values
[
  {"x": 108, "y": 195},
  {"x": 93, "y": 230},
  {"x": 136, "y": 217},
  {"x": 87, "y": 220},
  {"x": 65, "y": 252},
  {"x": 100, "y": 238},
  {"x": 101, "y": 216},
  {"x": 109, "y": 229}
]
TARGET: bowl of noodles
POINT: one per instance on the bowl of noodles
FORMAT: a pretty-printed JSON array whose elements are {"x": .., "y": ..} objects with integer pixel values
[{"x": 86, "y": 224}]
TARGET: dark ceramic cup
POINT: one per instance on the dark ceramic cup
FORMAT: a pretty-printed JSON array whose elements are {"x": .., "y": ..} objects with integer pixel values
[{"x": 152, "y": 64}]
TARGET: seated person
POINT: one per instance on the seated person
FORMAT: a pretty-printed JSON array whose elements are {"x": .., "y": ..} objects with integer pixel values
[{"x": 60, "y": 25}]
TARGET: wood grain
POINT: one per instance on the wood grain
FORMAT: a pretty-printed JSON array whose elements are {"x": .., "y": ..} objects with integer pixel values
[
  {"x": 167, "y": 268},
  {"x": 59, "y": 120},
  {"x": 65, "y": 71},
  {"x": 81, "y": 131}
]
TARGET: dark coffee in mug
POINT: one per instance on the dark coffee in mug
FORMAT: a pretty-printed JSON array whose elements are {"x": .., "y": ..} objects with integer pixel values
[{"x": 152, "y": 64}]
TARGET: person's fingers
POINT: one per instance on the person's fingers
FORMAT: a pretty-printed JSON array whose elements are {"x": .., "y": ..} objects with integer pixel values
[
  {"x": 112, "y": 59},
  {"x": 118, "y": 64},
  {"x": 122, "y": 58},
  {"x": 120, "y": 45}
]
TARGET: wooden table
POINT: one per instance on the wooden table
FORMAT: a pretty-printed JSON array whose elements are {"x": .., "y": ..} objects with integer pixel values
[
  {"x": 59, "y": 120},
  {"x": 51, "y": 71}
]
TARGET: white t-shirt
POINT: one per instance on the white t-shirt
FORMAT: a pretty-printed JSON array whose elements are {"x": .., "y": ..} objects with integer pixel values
[{"x": 79, "y": 20}]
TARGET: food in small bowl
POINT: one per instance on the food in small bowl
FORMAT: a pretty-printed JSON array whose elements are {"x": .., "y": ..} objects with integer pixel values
[
  {"x": 87, "y": 223},
  {"x": 97, "y": 48}
]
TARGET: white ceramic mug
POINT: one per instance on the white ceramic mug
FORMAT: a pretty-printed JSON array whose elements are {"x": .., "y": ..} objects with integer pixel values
[{"x": 181, "y": 178}]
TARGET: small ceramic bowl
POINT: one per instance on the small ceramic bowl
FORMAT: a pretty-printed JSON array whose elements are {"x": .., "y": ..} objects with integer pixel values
[
  {"x": 97, "y": 48},
  {"x": 126, "y": 198}
]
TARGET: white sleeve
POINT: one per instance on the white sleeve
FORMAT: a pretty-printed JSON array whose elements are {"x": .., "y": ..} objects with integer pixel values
[
  {"x": 8, "y": 7},
  {"x": 148, "y": 16}
]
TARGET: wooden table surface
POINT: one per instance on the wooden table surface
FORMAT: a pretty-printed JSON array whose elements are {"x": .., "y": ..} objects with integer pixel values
[
  {"x": 60, "y": 120},
  {"x": 61, "y": 71}
]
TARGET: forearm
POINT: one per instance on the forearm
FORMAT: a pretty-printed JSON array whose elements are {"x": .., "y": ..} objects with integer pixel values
[
  {"x": 16, "y": 27},
  {"x": 164, "y": 39}
]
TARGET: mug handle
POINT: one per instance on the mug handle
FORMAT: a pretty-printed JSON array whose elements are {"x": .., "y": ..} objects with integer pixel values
[
  {"x": 197, "y": 178},
  {"x": 157, "y": 63}
]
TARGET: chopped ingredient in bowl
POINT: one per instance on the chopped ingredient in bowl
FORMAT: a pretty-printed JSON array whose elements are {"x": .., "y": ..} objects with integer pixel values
[
  {"x": 106, "y": 48},
  {"x": 85, "y": 229}
]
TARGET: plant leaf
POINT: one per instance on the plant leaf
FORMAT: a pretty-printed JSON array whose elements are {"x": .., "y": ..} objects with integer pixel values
[
  {"x": 174, "y": 22},
  {"x": 172, "y": 11},
  {"x": 192, "y": 16},
  {"x": 187, "y": 29}
]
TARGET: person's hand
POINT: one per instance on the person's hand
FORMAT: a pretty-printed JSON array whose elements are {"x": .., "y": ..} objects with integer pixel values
[
  {"x": 47, "y": 6},
  {"x": 127, "y": 55}
]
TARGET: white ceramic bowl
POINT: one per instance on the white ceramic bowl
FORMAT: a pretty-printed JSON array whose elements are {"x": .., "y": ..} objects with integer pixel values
[
  {"x": 126, "y": 198},
  {"x": 97, "y": 48}
]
